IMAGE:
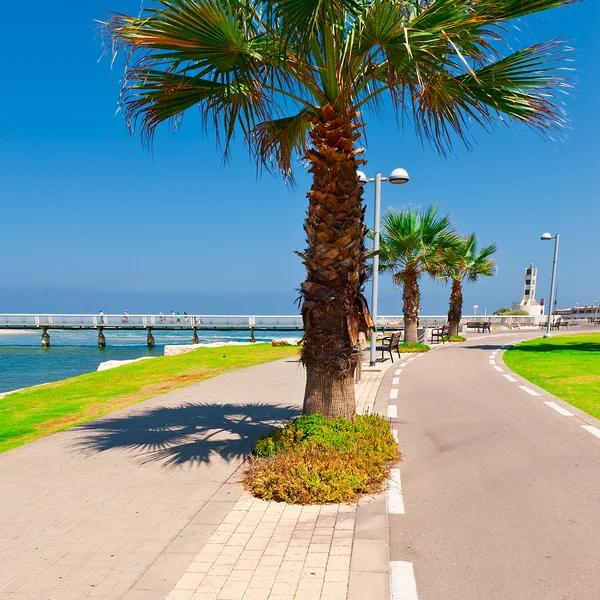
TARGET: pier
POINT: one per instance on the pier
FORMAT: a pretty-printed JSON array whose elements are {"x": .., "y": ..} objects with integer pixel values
[{"x": 45, "y": 323}]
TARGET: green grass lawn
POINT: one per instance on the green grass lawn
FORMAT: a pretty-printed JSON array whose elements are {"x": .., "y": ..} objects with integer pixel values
[
  {"x": 567, "y": 366},
  {"x": 28, "y": 415}
]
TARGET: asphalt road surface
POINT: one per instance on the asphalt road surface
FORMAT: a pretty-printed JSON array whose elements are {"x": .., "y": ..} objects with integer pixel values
[{"x": 501, "y": 491}]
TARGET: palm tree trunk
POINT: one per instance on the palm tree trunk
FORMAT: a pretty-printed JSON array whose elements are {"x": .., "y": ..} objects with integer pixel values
[
  {"x": 411, "y": 297},
  {"x": 455, "y": 311},
  {"x": 334, "y": 309}
]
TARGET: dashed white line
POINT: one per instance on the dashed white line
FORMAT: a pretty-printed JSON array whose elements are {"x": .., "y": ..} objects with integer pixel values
[
  {"x": 413, "y": 358},
  {"x": 395, "y": 380},
  {"x": 593, "y": 430},
  {"x": 403, "y": 585},
  {"x": 559, "y": 409},
  {"x": 529, "y": 390},
  {"x": 395, "y": 501},
  {"x": 492, "y": 362},
  {"x": 403, "y": 364},
  {"x": 395, "y": 435},
  {"x": 499, "y": 368},
  {"x": 492, "y": 356},
  {"x": 392, "y": 411},
  {"x": 393, "y": 394},
  {"x": 398, "y": 371},
  {"x": 511, "y": 378}
]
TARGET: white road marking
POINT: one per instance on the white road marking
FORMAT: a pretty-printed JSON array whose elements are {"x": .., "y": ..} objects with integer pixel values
[
  {"x": 392, "y": 411},
  {"x": 413, "y": 358},
  {"x": 393, "y": 394},
  {"x": 492, "y": 356},
  {"x": 559, "y": 409},
  {"x": 403, "y": 585},
  {"x": 499, "y": 369},
  {"x": 395, "y": 434},
  {"x": 593, "y": 430},
  {"x": 492, "y": 362},
  {"x": 398, "y": 371},
  {"x": 395, "y": 380},
  {"x": 511, "y": 378},
  {"x": 528, "y": 390},
  {"x": 403, "y": 364},
  {"x": 395, "y": 502}
]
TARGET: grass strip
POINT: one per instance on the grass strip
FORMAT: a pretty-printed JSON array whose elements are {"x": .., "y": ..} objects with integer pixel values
[
  {"x": 567, "y": 366},
  {"x": 313, "y": 460},
  {"x": 36, "y": 412},
  {"x": 410, "y": 348}
]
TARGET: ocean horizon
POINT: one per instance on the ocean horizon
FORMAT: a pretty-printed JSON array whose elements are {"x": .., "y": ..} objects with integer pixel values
[{"x": 24, "y": 363}]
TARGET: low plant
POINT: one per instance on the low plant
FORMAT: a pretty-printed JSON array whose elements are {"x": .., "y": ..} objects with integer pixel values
[
  {"x": 456, "y": 338},
  {"x": 416, "y": 347},
  {"x": 313, "y": 460}
]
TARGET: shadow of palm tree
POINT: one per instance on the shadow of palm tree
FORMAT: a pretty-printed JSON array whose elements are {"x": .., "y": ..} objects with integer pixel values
[{"x": 189, "y": 433}]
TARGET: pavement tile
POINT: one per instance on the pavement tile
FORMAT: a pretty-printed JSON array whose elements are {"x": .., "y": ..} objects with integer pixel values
[
  {"x": 165, "y": 572},
  {"x": 190, "y": 581},
  {"x": 257, "y": 594},
  {"x": 363, "y": 585},
  {"x": 316, "y": 559},
  {"x": 233, "y": 590},
  {"x": 180, "y": 595},
  {"x": 367, "y": 556},
  {"x": 213, "y": 513},
  {"x": 220, "y": 570},
  {"x": 282, "y": 589},
  {"x": 261, "y": 582}
]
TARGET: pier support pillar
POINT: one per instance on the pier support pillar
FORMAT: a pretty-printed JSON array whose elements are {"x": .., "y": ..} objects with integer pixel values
[
  {"x": 101, "y": 338},
  {"x": 150, "y": 338},
  {"x": 45, "y": 338},
  {"x": 252, "y": 338},
  {"x": 195, "y": 339}
]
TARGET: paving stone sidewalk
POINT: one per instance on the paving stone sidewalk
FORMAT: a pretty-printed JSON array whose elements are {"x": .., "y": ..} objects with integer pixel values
[
  {"x": 271, "y": 551},
  {"x": 146, "y": 504}
]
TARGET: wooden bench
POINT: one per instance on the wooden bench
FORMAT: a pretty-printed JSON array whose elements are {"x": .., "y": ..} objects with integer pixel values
[
  {"x": 559, "y": 323},
  {"x": 389, "y": 344},
  {"x": 479, "y": 326},
  {"x": 439, "y": 333}
]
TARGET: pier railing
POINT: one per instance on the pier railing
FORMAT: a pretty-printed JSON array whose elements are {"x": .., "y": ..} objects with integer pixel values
[
  {"x": 250, "y": 321},
  {"x": 148, "y": 320}
]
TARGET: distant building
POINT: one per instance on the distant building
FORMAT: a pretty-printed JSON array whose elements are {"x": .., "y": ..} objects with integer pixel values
[
  {"x": 589, "y": 311},
  {"x": 528, "y": 302}
]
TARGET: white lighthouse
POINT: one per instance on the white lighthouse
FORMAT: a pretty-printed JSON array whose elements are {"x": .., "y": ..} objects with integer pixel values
[{"x": 528, "y": 302}]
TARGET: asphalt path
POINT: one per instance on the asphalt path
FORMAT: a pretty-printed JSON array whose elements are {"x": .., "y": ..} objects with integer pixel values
[{"x": 501, "y": 491}]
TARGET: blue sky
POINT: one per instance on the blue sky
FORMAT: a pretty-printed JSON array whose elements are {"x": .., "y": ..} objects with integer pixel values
[{"x": 90, "y": 220}]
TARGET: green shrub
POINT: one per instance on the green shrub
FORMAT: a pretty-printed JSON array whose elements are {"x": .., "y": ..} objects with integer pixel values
[
  {"x": 456, "y": 338},
  {"x": 315, "y": 460},
  {"x": 416, "y": 347}
]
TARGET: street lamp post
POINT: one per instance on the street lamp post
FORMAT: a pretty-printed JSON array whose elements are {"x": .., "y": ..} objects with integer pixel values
[
  {"x": 397, "y": 176},
  {"x": 556, "y": 238}
]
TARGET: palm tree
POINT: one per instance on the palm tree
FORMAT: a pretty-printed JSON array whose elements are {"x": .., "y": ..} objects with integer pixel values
[
  {"x": 292, "y": 77},
  {"x": 465, "y": 261},
  {"x": 414, "y": 241}
]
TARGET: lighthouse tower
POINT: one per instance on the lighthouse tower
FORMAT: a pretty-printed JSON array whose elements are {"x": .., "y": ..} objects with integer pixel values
[{"x": 528, "y": 302}]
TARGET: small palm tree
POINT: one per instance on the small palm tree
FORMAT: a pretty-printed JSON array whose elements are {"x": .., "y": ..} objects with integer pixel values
[
  {"x": 292, "y": 77},
  {"x": 414, "y": 241},
  {"x": 465, "y": 261}
]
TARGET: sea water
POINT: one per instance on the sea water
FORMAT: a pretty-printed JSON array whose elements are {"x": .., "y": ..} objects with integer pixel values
[{"x": 23, "y": 362}]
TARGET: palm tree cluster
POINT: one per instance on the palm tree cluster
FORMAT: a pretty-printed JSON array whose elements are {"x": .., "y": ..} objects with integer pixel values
[
  {"x": 294, "y": 78},
  {"x": 418, "y": 241}
]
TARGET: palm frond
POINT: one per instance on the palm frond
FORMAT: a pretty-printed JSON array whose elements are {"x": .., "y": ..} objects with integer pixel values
[{"x": 277, "y": 141}]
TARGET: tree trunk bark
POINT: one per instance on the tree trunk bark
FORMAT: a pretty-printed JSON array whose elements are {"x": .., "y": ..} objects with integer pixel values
[
  {"x": 411, "y": 297},
  {"x": 455, "y": 311},
  {"x": 334, "y": 310}
]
